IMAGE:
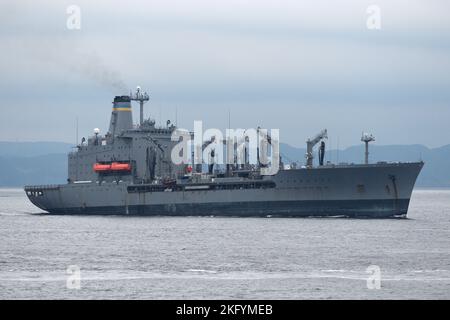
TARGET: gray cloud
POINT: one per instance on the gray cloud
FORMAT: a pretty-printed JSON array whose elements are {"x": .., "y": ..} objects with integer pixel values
[{"x": 294, "y": 65}]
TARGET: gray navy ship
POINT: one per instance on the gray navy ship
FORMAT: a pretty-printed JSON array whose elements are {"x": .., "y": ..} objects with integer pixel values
[{"x": 129, "y": 171}]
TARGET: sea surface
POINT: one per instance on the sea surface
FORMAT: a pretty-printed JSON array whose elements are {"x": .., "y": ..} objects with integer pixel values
[{"x": 224, "y": 258}]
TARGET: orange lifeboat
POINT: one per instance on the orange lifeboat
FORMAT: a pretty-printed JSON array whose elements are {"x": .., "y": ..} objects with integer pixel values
[
  {"x": 116, "y": 166},
  {"x": 102, "y": 167}
]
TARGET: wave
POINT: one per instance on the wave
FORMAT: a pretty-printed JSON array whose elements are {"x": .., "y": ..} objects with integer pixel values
[{"x": 194, "y": 274}]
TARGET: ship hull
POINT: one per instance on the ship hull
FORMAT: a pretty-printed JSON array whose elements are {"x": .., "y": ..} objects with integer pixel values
[
  {"x": 364, "y": 191},
  {"x": 377, "y": 208}
]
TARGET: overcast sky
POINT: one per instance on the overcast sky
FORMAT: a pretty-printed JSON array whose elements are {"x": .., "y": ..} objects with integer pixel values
[{"x": 299, "y": 66}]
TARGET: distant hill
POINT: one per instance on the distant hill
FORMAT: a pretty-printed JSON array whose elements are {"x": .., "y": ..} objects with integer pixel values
[
  {"x": 24, "y": 163},
  {"x": 32, "y": 149},
  {"x": 21, "y": 171}
]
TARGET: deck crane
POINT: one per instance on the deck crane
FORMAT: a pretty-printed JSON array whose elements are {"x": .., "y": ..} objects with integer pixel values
[
  {"x": 198, "y": 166},
  {"x": 310, "y": 145}
]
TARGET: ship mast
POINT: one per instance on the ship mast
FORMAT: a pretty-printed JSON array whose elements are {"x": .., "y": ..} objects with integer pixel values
[
  {"x": 142, "y": 97},
  {"x": 366, "y": 138}
]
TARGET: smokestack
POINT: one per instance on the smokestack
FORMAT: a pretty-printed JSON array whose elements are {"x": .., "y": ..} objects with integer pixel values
[{"x": 121, "y": 117}]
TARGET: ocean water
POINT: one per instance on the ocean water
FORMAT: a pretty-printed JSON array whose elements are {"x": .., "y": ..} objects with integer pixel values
[{"x": 224, "y": 258}]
